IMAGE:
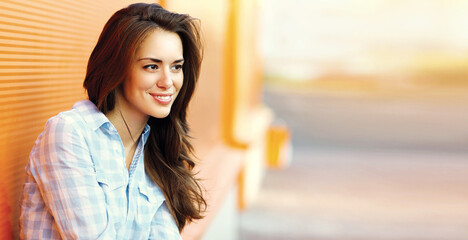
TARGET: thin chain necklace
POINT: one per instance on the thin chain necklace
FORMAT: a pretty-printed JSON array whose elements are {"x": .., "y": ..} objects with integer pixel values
[{"x": 126, "y": 125}]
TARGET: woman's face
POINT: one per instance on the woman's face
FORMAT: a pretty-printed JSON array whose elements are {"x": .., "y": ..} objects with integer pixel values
[{"x": 156, "y": 75}]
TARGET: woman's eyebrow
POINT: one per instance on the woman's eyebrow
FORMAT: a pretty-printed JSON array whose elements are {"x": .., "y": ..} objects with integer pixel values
[
  {"x": 159, "y": 60},
  {"x": 152, "y": 59}
]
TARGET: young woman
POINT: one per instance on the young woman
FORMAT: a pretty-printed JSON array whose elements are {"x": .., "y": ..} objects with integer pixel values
[{"x": 118, "y": 166}]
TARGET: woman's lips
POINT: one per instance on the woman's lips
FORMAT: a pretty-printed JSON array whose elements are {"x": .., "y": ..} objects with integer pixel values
[{"x": 162, "y": 98}]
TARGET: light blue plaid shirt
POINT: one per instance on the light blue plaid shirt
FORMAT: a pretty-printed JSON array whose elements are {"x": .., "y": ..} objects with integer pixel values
[{"x": 78, "y": 186}]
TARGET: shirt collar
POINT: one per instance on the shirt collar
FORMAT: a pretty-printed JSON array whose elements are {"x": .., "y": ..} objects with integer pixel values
[
  {"x": 95, "y": 118},
  {"x": 91, "y": 114},
  {"x": 145, "y": 133}
]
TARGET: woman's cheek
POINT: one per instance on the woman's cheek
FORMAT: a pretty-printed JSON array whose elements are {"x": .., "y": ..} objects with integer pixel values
[
  {"x": 180, "y": 82},
  {"x": 147, "y": 81}
]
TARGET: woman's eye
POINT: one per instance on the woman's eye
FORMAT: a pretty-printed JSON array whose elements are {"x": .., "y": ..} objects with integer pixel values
[
  {"x": 177, "y": 67},
  {"x": 151, "y": 67}
]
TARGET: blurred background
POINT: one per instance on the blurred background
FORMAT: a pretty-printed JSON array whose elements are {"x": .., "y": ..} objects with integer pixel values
[
  {"x": 375, "y": 94},
  {"x": 330, "y": 120}
]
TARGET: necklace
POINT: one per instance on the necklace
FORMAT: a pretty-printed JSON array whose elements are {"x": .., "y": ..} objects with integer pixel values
[{"x": 126, "y": 125}]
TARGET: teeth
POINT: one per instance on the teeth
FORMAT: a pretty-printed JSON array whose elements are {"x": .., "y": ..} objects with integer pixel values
[{"x": 164, "y": 97}]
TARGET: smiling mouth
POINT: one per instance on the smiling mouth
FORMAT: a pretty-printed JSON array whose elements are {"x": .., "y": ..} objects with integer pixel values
[{"x": 162, "y": 98}]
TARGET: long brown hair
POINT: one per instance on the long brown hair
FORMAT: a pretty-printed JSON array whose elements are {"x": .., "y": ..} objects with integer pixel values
[{"x": 168, "y": 152}]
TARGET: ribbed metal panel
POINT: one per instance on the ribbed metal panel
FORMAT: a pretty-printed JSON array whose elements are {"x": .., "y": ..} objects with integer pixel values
[{"x": 44, "y": 48}]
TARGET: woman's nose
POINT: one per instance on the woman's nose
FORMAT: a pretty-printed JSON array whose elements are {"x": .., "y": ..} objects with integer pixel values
[{"x": 164, "y": 80}]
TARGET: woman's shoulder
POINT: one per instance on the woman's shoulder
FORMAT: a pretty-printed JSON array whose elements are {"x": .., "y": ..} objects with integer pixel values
[
  {"x": 74, "y": 126},
  {"x": 84, "y": 114},
  {"x": 68, "y": 118},
  {"x": 60, "y": 130}
]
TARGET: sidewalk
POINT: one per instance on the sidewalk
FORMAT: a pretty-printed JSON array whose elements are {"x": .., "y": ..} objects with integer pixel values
[
  {"x": 344, "y": 195},
  {"x": 400, "y": 180}
]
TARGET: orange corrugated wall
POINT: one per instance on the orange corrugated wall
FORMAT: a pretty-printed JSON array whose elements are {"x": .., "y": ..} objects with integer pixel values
[{"x": 44, "y": 48}]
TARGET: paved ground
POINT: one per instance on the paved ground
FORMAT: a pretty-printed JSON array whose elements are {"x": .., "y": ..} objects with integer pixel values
[{"x": 366, "y": 169}]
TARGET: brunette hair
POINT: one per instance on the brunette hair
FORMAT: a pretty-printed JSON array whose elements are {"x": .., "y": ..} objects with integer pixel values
[{"x": 168, "y": 152}]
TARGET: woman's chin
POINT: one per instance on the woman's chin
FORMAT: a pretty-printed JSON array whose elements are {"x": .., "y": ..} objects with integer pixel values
[{"x": 161, "y": 114}]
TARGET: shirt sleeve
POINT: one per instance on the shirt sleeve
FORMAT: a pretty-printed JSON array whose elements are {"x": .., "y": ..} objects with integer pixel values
[
  {"x": 163, "y": 225},
  {"x": 63, "y": 169}
]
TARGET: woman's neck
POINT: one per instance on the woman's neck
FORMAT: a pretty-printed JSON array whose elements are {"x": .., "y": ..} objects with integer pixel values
[{"x": 129, "y": 124}]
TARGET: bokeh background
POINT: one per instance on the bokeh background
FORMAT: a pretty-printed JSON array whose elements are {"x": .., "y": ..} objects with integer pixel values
[{"x": 375, "y": 93}]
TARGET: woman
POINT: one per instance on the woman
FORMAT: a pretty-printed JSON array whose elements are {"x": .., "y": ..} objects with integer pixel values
[{"x": 118, "y": 166}]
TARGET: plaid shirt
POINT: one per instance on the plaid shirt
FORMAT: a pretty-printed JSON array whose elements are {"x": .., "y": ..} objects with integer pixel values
[{"x": 78, "y": 186}]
